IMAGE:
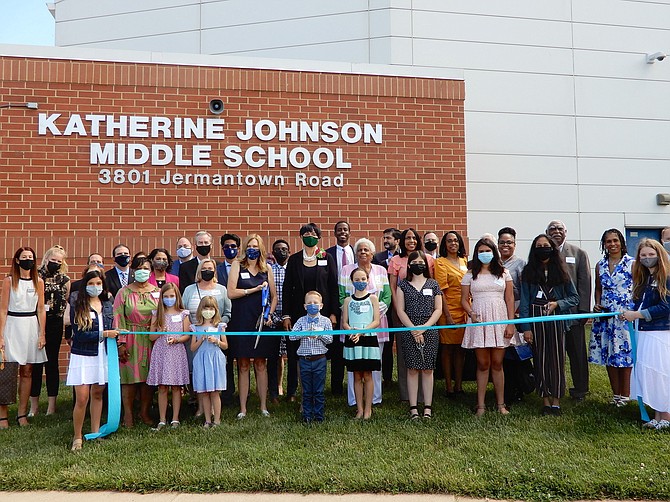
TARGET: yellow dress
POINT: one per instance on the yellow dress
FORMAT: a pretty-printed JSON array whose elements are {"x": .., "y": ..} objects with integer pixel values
[{"x": 449, "y": 277}]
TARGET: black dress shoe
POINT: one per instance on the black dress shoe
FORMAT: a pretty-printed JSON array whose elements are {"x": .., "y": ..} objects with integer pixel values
[{"x": 546, "y": 410}]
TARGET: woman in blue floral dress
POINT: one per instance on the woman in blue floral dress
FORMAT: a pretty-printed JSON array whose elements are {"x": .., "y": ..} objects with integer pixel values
[{"x": 610, "y": 341}]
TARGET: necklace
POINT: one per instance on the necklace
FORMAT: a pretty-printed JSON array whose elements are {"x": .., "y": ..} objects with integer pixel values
[{"x": 308, "y": 258}]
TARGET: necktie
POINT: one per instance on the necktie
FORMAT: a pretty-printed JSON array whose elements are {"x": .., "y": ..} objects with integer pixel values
[
  {"x": 124, "y": 279},
  {"x": 344, "y": 257}
]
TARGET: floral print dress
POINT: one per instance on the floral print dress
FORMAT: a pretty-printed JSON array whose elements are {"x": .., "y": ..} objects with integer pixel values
[{"x": 610, "y": 341}]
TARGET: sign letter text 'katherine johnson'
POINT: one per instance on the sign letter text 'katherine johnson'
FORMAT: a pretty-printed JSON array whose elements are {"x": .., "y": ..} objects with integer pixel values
[{"x": 131, "y": 145}]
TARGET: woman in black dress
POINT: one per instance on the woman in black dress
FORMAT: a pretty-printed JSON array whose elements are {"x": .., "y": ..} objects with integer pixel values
[{"x": 249, "y": 274}]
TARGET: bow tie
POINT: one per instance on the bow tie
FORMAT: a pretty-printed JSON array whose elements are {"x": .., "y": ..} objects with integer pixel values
[{"x": 312, "y": 320}]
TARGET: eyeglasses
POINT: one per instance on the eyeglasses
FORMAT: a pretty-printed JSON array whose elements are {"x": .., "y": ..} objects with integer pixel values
[
  {"x": 505, "y": 243},
  {"x": 230, "y": 246}
]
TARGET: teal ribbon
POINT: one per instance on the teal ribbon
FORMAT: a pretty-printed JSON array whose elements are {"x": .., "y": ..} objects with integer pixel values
[
  {"x": 113, "y": 392},
  {"x": 644, "y": 416}
]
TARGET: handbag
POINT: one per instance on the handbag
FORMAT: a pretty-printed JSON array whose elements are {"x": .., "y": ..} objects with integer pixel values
[{"x": 9, "y": 373}]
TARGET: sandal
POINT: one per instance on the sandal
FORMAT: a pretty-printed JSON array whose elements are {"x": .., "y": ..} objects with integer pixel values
[
  {"x": 159, "y": 426},
  {"x": 413, "y": 413},
  {"x": 502, "y": 409},
  {"x": 4, "y": 419},
  {"x": 480, "y": 410},
  {"x": 76, "y": 445},
  {"x": 175, "y": 423},
  {"x": 19, "y": 418},
  {"x": 427, "y": 411}
]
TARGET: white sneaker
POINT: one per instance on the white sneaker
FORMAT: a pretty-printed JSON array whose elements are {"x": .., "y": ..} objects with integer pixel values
[
  {"x": 662, "y": 424},
  {"x": 265, "y": 413},
  {"x": 652, "y": 424},
  {"x": 241, "y": 415}
]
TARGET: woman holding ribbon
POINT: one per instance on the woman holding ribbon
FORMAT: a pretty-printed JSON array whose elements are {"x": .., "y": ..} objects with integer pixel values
[
  {"x": 251, "y": 287},
  {"x": 546, "y": 289},
  {"x": 487, "y": 295},
  {"x": 610, "y": 341},
  {"x": 651, "y": 310}
]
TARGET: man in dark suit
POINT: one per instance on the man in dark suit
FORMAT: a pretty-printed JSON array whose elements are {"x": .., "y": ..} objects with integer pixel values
[
  {"x": 577, "y": 262},
  {"x": 230, "y": 245},
  {"x": 203, "y": 249},
  {"x": 119, "y": 276},
  {"x": 343, "y": 254},
  {"x": 391, "y": 242}
]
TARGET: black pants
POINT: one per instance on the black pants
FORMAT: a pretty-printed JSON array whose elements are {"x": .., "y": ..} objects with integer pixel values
[
  {"x": 575, "y": 346},
  {"x": 273, "y": 381},
  {"x": 336, "y": 356},
  {"x": 54, "y": 337},
  {"x": 292, "y": 367},
  {"x": 228, "y": 395}
]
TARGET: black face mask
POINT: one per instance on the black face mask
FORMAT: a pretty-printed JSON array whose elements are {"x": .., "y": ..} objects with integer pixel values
[
  {"x": 203, "y": 250},
  {"x": 281, "y": 255},
  {"x": 122, "y": 260},
  {"x": 207, "y": 275},
  {"x": 53, "y": 267},
  {"x": 417, "y": 268},
  {"x": 27, "y": 264},
  {"x": 543, "y": 253},
  {"x": 430, "y": 246}
]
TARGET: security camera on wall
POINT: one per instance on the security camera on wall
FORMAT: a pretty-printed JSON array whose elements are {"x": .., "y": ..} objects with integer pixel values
[{"x": 656, "y": 56}]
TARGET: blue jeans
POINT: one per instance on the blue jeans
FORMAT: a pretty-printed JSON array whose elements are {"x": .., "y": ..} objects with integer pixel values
[{"x": 313, "y": 379}]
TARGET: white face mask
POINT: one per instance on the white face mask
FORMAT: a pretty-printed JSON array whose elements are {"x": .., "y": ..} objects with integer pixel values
[{"x": 208, "y": 313}]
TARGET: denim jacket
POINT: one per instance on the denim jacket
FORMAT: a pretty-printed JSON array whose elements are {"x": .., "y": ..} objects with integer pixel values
[
  {"x": 86, "y": 342},
  {"x": 654, "y": 309}
]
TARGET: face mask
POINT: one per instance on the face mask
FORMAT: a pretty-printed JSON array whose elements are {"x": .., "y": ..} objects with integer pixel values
[
  {"x": 430, "y": 246},
  {"x": 53, "y": 267},
  {"x": 142, "y": 275},
  {"x": 650, "y": 262},
  {"x": 310, "y": 241},
  {"x": 160, "y": 264},
  {"x": 208, "y": 313},
  {"x": 312, "y": 308},
  {"x": 122, "y": 260},
  {"x": 93, "y": 291},
  {"x": 281, "y": 255},
  {"x": 26, "y": 264},
  {"x": 203, "y": 250},
  {"x": 207, "y": 275},
  {"x": 485, "y": 257},
  {"x": 170, "y": 302},
  {"x": 360, "y": 285},
  {"x": 183, "y": 253},
  {"x": 230, "y": 253},
  {"x": 417, "y": 268},
  {"x": 253, "y": 253},
  {"x": 666, "y": 245},
  {"x": 543, "y": 253}
]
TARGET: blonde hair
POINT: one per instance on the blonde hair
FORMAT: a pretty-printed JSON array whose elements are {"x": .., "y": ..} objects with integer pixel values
[
  {"x": 198, "y": 272},
  {"x": 262, "y": 259},
  {"x": 641, "y": 273},
  {"x": 208, "y": 302},
  {"x": 314, "y": 293},
  {"x": 55, "y": 249},
  {"x": 160, "y": 311}
]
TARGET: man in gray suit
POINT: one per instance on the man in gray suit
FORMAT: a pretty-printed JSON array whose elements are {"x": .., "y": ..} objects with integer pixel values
[{"x": 577, "y": 262}]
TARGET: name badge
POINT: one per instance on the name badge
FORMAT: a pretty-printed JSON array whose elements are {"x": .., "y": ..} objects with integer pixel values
[
  {"x": 570, "y": 259},
  {"x": 317, "y": 328},
  {"x": 211, "y": 329},
  {"x": 322, "y": 263},
  {"x": 47, "y": 307},
  {"x": 244, "y": 275},
  {"x": 539, "y": 294},
  {"x": 156, "y": 295},
  {"x": 365, "y": 308},
  {"x": 215, "y": 292},
  {"x": 176, "y": 318},
  {"x": 500, "y": 281},
  {"x": 30, "y": 291},
  {"x": 93, "y": 315},
  {"x": 427, "y": 292}
]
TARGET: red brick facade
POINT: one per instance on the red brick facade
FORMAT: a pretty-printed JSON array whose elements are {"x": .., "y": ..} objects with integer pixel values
[{"x": 50, "y": 193}]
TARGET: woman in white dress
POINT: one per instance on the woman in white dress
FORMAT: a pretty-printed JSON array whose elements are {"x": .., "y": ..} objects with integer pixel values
[
  {"x": 91, "y": 318},
  {"x": 22, "y": 322}
]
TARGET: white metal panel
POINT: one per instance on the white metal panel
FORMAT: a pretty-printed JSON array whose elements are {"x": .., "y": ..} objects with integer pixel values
[
  {"x": 530, "y": 197},
  {"x": 490, "y": 29},
  {"x": 80, "y": 9},
  {"x": 391, "y": 51},
  {"x": 620, "y": 38},
  {"x": 356, "y": 51},
  {"x": 131, "y": 25},
  {"x": 612, "y": 138},
  {"x": 287, "y": 33},
  {"x": 520, "y": 134},
  {"x": 649, "y": 220},
  {"x": 248, "y": 12},
  {"x": 624, "y": 172},
  {"x": 619, "y": 98},
  {"x": 521, "y": 169},
  {"x": 555, "y": 9},
  {"x": 173, "y": 42},
  {"x": 617, "y": 199},
  {"x": 620, "y": 65},
  {"x": 622, "y": 13},
  {"x": 593, "y": 224},
  {"x": 477, "y": 56},
  {"x": 519, "y": 92}
]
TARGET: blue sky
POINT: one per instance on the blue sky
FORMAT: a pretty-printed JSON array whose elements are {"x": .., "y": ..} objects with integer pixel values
[{"x": 26, "y": 22}]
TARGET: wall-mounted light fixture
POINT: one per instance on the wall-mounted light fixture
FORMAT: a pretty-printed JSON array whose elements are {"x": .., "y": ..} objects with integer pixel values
[
  {"x": 663, "y": 199},
  {"x": 656, "y": 56},
  {"x": 29, "y": 105}
]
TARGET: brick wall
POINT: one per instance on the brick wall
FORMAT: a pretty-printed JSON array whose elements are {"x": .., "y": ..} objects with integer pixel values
[{"x": 49, "y": 192}]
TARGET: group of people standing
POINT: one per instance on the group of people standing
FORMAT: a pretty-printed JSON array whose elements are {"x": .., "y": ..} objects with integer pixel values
[{"x": 416, "y": 282}]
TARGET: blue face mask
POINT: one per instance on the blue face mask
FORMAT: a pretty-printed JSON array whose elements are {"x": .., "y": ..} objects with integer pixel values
[
  {"x": 170, "y": 302},
  {"x": 312, "y": 308},
  {"x": 485, "y": 257},
  {"x": 230, "y": 253},
  {"x": 253, "y": 253},
  {"x": 360, "y": 286},
  {"x": 94, "y": 291}
]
